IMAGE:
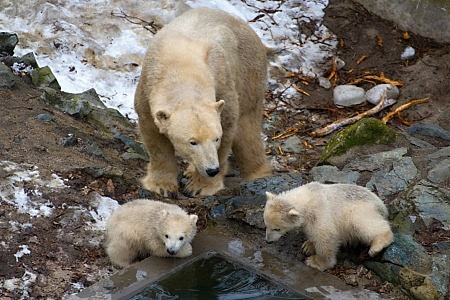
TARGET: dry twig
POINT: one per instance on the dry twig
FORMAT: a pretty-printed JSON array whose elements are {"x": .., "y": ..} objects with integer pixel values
[
  {"x": 390, "y": 115},
  {"x": 347, "y": 121}
]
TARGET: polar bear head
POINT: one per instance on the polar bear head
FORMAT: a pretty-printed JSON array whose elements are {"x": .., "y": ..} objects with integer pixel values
[
  {"x": 280, "y": 217},
  {"x": 176, "y": 229},
  {"x": 195, "y": 132}
]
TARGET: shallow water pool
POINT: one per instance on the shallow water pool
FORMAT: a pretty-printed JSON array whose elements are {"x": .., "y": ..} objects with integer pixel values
[{"x": 216, "y": 277}]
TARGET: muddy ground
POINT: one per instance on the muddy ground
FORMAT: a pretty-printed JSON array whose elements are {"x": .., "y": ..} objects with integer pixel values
[{"x": 61, "y": 252}]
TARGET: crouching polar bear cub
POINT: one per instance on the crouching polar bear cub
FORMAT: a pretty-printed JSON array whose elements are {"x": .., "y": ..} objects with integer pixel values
[
  {"x": 144, "y": 227},
  {"x": 200, "y": 95},
  {"x": 329, "y": 215}
]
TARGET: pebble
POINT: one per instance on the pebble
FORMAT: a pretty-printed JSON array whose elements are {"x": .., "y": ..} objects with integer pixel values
[
  {"x": 44, "y": 117},
  {"x": 375, "y": 94},
  {"x": 408, "y": 53},
  {"x": 348, "y": 95}
]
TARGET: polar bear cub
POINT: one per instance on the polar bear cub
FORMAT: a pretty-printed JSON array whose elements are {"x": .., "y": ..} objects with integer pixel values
[
  {"x": 145, "y": 227},
  {"x": 330, "y": 215}
]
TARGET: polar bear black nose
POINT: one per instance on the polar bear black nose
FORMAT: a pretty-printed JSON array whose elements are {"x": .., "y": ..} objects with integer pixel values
[
  {"x": 212, "y": 172},
  {"x": 171, "y": 252}
]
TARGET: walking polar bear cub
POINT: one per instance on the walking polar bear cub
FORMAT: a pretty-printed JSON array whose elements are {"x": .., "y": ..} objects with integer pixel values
[
  {"x": 330, "y": 216},
  {"x": 200, "y": 95},
  {"x": 144, "y": 227}
]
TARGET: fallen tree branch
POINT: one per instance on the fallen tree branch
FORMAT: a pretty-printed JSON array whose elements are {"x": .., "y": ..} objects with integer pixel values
[
  {"x": 347, "y": 121},
  {"x": 150, "y": 26},
  {"x": 390, "y": 115}
]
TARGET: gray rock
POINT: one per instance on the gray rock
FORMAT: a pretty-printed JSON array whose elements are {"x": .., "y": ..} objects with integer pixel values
[
  {"x": 348, "y": 95},
  {"x": 331, "y": 174},
  {"x": 275, "y": 184},
  {"x": 432, "y": 203},
  {"x": 440, "y": 274},
  {"x": 388, "y": 181},
  {"x": 293, "y": 144},
  {"x": 7, "y": 79},
  {"x": 418, "y": 142},
  {"x": 440, "y": 173},
  {"x": 430, "y": 130},
  {"x": 375, "y": 94},
  {"x": 97, "y": 172},
  {"x": 71, "y": 141},
  {"x": 44, "y": 117},
  {"x": 135, "y": 146},
  {"x": 375, "y": 161},
  {"x": 8, "y": 42},
  {"x": 428, "y": 18},
  {"x": 94, "y": 149},
  {"x": 407, "y": 252},
  {"x": 441, "y": 153}
]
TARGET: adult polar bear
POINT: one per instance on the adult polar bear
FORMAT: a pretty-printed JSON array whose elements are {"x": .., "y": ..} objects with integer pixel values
[{"x": 200, "y": 96}]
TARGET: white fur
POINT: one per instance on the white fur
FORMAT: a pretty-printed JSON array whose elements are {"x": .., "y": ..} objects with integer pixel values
[
  {"x": 145, "y": 227},
  {"x": 330, "y": 216}
]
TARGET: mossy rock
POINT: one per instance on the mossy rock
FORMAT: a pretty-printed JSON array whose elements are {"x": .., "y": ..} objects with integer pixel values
[
  {"x": 43, "y": 77},
  {"x": 366, "y": 131}
]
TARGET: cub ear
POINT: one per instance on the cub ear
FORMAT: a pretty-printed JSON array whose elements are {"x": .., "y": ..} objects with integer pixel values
[
  {"x": 270, "y": 196},
  {"x": 219, "y": 106},
  {"x": 162, "y": 118},
  {"x": 293, "y": 213},
  {"x": 193, "y": 218}
]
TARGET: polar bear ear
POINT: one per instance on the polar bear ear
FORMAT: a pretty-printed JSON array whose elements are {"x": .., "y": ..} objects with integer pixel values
[
  {"x": 270, "y": 196},
  {"x": 293, "y": 213},
  {"x": 193, "y": 218},
  {"x": 164, "y": 213},
  {"x": 219, "y": 106},
  {"x": 162, "y": 118}
]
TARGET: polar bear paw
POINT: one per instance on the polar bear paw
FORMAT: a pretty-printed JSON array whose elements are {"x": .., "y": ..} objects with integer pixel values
[
  {"x": 163, "y": 188},
  {"x": 199, "y": 185}
]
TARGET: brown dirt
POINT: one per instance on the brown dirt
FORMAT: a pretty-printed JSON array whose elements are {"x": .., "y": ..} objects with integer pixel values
[{"x": 61, "y": 252}]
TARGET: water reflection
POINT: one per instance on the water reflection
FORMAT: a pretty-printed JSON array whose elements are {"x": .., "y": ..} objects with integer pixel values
[{"x": 216, "y": 278}]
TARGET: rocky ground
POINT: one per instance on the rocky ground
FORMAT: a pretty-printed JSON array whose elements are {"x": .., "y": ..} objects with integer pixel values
[{"x": 97, "y": 154}]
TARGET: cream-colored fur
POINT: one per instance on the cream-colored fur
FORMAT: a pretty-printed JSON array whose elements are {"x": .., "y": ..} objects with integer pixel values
[
  {"x": 330, "y": 216},
  {"x": 200, "y": 96},
  {"x": 145, "y": 227}
]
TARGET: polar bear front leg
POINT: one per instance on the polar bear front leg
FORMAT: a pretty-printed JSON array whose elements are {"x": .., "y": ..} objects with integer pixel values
[{"x": 162, "y": 170}]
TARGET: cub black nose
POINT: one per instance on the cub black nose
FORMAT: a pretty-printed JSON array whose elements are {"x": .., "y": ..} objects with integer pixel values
[
  {"x": 212, "y": 172},
  {"x": 171, "y": 252}
]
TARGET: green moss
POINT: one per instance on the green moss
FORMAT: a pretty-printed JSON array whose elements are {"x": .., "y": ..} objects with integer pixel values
[{"x": 366, "y": 131}]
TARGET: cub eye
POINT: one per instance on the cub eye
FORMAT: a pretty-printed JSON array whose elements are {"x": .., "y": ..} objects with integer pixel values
[
  {"x": 193, "y": 143},
  {"x": 181, "y": 238},
  {"x": 218, "y": 139},
  {"x": 167, "y": 236},
  {"x": 277, "y": 229}
]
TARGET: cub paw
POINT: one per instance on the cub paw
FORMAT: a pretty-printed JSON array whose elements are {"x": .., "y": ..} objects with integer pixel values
[
  {"x": 319, "y": 263},
  {"x": 185, "y": 251},
  {"x": 308, "y": 248}
]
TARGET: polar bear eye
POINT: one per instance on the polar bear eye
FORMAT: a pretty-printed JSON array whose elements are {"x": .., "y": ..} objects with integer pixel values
[
  {"x": 193, "y": 143},
  {"x": 181, "y": 238},
  {"x": 167, "y": 236},
  {"x": 276, "y": 229},
  {"x": 218, "y": 139}
]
